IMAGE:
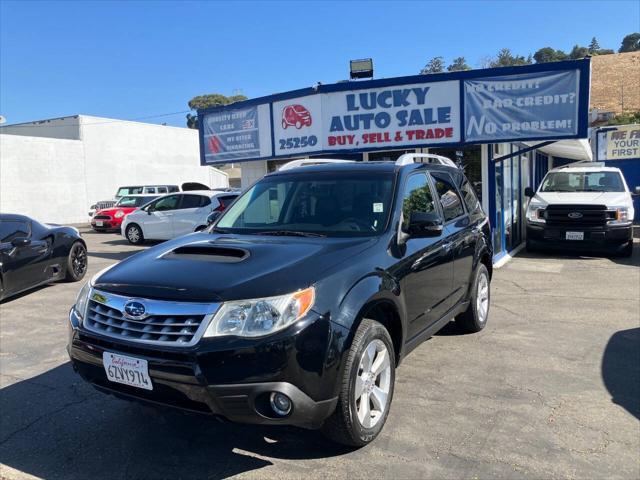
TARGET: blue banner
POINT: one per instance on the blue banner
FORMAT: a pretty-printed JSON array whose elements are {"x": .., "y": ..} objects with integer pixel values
[
  {"x": 231, "y": 134},
  {"x": 526, "y": 106}
]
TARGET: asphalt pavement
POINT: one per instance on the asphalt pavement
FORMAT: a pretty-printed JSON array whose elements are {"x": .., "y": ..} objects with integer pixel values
[{"x": 550, "y": 389}]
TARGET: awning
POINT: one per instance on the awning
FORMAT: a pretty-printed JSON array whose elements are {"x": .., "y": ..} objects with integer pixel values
[{"x": 579, "y": 149}]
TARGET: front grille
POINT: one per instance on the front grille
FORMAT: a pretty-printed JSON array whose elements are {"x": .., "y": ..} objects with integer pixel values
[
  {"x": 105, "y": 204},
  {"x": 102, "y": 217},
  {"x": 578, "y": 215},
  {"x": 165, "y": 323}
]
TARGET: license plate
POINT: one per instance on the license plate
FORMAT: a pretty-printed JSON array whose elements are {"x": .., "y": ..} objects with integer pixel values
[
  {"x": 574, "y": 236},
  {"x": 99, "y": 223},
  {"x": 127, "y": 370}
]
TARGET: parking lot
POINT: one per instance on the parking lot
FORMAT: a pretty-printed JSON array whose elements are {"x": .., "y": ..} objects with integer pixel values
[{"x": 551, "y": 388}]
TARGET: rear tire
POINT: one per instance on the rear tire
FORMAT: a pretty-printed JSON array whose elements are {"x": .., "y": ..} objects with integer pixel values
[
  {"x": 134, "y": 234},
  {"x": 77, "y": 262},
  {"x": 366, "y": 389},
  {"x": 475, "y": 317}
]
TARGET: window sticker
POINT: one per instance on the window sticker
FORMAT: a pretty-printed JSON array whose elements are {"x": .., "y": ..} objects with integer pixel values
[{"x": 378, "y": 207}]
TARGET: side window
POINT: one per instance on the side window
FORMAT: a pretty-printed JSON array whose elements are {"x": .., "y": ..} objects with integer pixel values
[
  {"x": 417, "y": 198},
  {"x": 10, "y": 230},
  {"x": 192, "y": 201},
  {"x": 205, "y": 201},
  {"x": 449, "y": 198},
  {"x": 167, "y": 203},
  {"x": 469, "y": 197},
  {"x": 173, "y": 188},
  {"x": 162, "y": 190},
  {"x": 150, "y": 190}
]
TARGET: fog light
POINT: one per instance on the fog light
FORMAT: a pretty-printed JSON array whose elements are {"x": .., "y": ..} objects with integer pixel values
[{"x": 280, "y": 403}]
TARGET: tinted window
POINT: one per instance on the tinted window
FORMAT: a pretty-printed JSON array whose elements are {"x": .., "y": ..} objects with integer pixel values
[
  {"x": 227, "y": 200},
  {"x": 173, "y": 188},
  {"x": 449, "y": 198},
  {"x": 336, "y": 203},
  {"x": 167, "y": 203},
  {"x": 417, "y": 198},
  {"x": 10, "y": 230},
  {"x": 469, "y": 197},
  {"x": 194, "y": 201},
  {"x": 162, "y": 190}
]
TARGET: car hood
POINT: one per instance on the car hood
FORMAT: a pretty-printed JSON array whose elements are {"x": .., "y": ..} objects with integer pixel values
[
  {"x": 206, "y": 267},
  {"x": 114, "y": 210},
  {"x": 610, "y": 199}
]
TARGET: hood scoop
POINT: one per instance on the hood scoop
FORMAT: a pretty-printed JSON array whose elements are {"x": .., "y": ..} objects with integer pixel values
[{"x": 207, "y": 253}]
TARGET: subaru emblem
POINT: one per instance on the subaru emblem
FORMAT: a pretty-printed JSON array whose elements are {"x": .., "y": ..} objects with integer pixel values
[
  {"x": 575, "y": 215},
  {"x": 134, "y": 309}
]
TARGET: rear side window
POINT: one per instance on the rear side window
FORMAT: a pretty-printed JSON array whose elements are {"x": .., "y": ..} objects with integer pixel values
[
  {"x": 173, "y": 188},
  {"x": 194, "y": 201},
  {"x": 469, "y": 197},
  {"x": 417, "y": 198},
  {"x": 10, "y": 230},
  {"x": 226, "y": 200},
  {"x": 449, "y": 198}
]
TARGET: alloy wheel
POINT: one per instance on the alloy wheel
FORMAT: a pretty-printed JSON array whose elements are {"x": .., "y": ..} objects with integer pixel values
[
  {"x": 482, "y": 297},
  {"x": 79, "y": 260},
  {"x": 373, "y": 384}
]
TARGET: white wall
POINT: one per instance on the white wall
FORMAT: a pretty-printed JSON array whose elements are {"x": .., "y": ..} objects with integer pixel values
[
  {"x": 56, "y": 180},
  {"x": 252, "y": 172}
]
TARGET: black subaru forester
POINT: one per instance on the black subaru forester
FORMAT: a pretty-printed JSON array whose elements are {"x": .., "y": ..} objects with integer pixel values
[{"x": 297, "y": 305}]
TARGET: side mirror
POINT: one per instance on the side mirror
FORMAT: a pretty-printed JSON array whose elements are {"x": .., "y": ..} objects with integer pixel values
[
  {"x": 423, "y": 225},
  {"x": 20, "y": 242},
  {"x": 529, "y": 192},
  {"x": 213, "y": 216},
  {"x": 637, "y": 190}
]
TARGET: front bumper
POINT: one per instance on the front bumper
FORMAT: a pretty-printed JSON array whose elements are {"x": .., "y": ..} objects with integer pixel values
[
  {"x": 227, "y": 377},
  {"x": 112, "y": 224},
  {"x": 607, "y": 237}
]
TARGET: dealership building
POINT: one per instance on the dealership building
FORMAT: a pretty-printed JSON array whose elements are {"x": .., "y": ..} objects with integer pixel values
[{"x": 505, "y": 127}]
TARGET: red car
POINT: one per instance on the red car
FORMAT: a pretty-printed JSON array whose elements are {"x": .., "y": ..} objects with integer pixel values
[
  {"x": 295, "y": 115},
  {"x": 111, "y": 218}
]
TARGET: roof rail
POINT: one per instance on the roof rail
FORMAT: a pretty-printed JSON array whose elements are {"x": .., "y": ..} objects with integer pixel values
[
  {"x": 409, "y": 158},
  {"x": 310, "y": 161}
]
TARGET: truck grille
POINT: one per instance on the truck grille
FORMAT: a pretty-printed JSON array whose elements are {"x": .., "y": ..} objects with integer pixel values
[
  {"x": 105, "y": 204},
  {"x": 578, "y": 215},
  {"x": 178, "y": 324}
]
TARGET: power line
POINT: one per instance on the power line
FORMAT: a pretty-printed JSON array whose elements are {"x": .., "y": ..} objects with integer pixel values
[{"x": 40, "y": 123}]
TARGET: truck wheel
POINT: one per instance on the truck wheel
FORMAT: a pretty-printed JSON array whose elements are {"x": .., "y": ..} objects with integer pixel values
[
  {"x": 627, "y": 251},
  {"x": 76, "y": 262},
  {"x": 367, "y": 387},
  {"x": 134, "y": 234},
  {"x": 475, "y": 317}
]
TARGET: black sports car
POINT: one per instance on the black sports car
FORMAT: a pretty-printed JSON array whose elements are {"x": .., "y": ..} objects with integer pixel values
[{"x": 32, "y": 254}]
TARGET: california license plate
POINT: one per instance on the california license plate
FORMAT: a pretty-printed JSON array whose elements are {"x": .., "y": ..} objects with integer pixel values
[
  {"x": 99, "y": 223},
  {"x": 574, "y": 236},
  {"x": 127, "y": 370}
]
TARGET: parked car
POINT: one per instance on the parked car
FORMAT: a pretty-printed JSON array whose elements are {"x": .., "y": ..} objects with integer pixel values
[
  {"x": 173, "y": 215},
  {"x": 581, "y": 206},
  {"x": 132, "y": 190},
  {"x": 110, "y": 219},
  {"x": 295, "y": 115},
  {"x": 297, "y": 305},
  {"x": 34, "y": 254}
]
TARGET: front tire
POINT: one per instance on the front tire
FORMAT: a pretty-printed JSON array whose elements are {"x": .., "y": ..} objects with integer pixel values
[
  {"x": 134, "y": 234},
  {"x": 77, "y": 262},
  {"x": 367, "y": 388},
  {"x": 475, "y": 317}
]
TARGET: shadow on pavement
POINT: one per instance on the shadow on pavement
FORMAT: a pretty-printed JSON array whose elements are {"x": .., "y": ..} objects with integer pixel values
[
  {"x": 56, "y": 426},
  {"x": 112, "y": 255},
  {"x": 621, "y": 369}
]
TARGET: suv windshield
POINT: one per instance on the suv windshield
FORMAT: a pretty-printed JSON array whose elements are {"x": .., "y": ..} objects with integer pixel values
[
  {"x": 129, "y": 191},
  {"x": 332, "y": 204},
  {"x": 583, "y": 182},
  {"x": 134, "y": 201}
]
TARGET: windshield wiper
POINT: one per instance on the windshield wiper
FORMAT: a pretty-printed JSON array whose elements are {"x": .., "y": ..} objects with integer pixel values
[
  {"x": 219, "y": 230},
  {"x": 291, "y": 233}
]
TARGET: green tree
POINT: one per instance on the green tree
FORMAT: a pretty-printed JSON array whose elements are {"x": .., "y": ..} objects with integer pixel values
[
  {"x": 594, "y": 46},
  {"x": 507, "y": 59},
  {"x": 578, "y": 52},
  {"x": 208, "y": 101},
  {"x": 548, "y": 54},
  {"x": 630, "y": 43},
  {"x": 459, "y": 64},
  {"x": 435, "y": 65}
]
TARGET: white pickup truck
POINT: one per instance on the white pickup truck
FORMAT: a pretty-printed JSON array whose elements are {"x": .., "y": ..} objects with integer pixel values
[{"x": 582, "y": 206}]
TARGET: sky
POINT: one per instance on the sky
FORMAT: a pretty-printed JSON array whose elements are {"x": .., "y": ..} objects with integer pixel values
[{"x": 146, "y": 59}]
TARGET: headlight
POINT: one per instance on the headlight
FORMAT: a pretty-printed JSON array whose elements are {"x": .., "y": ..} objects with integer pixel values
[
  {"x": 535, "y": 213},
  {"x": 82, "y": 300},
  {"x": 623, "y": 215},
  {"x": 260, "y": 316},
  {"x": 119, "y": 214}
]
